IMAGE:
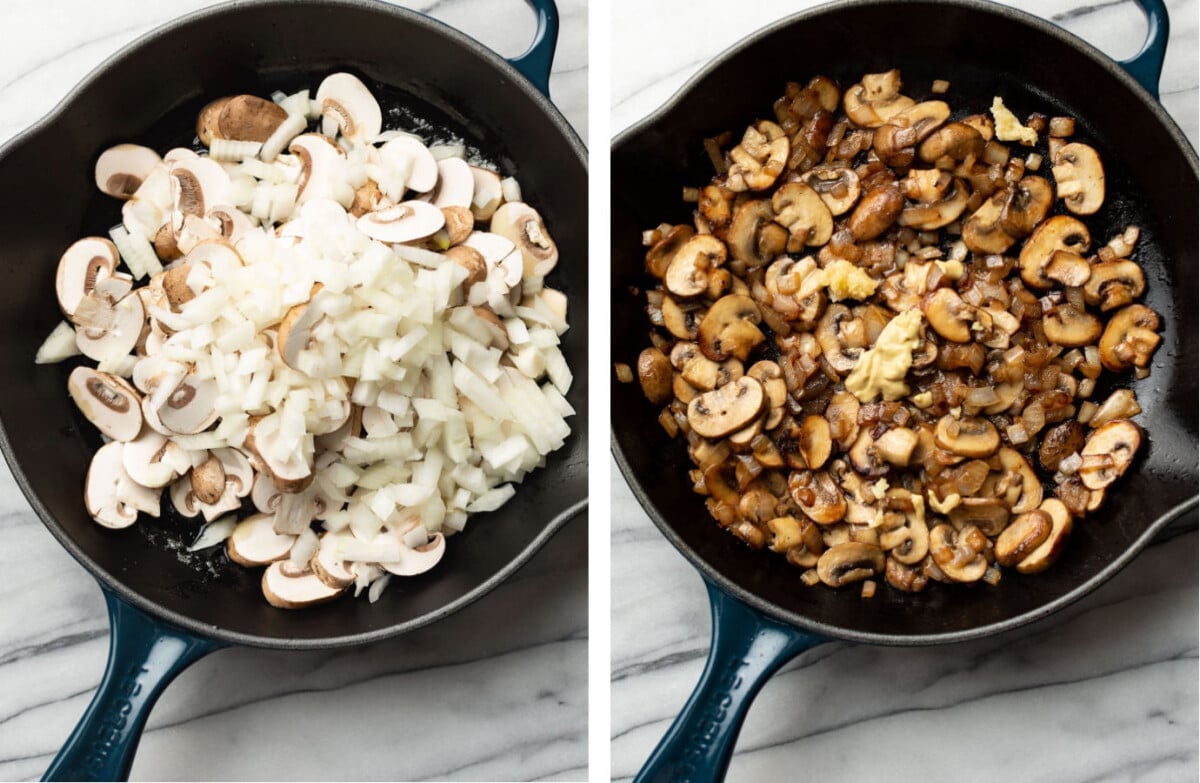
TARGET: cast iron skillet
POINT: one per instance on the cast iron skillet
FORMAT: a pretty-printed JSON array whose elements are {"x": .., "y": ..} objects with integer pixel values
[
  {"x": 167, "y": 612},
  {"x": 762, "y": 615}
]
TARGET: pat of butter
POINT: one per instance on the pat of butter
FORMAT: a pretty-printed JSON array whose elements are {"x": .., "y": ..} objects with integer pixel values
[
  {"x": 880, "y": 488},
  {"x": 846, "y": 281},
  {"x": 1008, "y": 127},
  {"x": 881, "y": 370}
]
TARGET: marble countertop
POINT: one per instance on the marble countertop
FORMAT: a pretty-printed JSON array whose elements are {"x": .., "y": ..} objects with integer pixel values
[
  {"x": 497, "y": 691},
  {"x": 1103, "y": 691}
]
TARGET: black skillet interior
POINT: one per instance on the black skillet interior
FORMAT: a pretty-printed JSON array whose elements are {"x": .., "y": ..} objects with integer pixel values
[
  {"x": 421, "y": 71},
  {"x": 983, "y": 51}
]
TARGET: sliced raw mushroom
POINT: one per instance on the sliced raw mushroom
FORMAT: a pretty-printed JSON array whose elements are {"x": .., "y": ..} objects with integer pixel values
[
  {"x": 321, "y": 173},
  {"x": 851, "y": 562},
  {"x": 1052, "y": 547},
  {"x": 876, "y": 99},
  {"x": 729, "y": 328},
  {"x": 727, "y": 409},
  {"x": 291, "y": 475},
  {"x": 348, "y": 107},
  {"x": 1113, "y": 284},
  {"x": 754, "y": 238},
  {"x": 285, "y": 587},
  {"x": 488, "y": 195},
  {"x": 1080, "y": 178},
  {"x": 967, "y": 437},
  {"x": 110, "y": 403},
  {"x": 1109, "y": 452},
  {"x": 208, "y": 480},
  {"x": 522, "y": 225},
  {"x": 759, "y": 159},
  {"x": 949, "y": 315},
  {"x": 119, "y": 336},
  {"x": 196, "y": 184},
  {"x": 803, "y": 212},
  {"x": 406, "y": 154},
  {"x": 687, "y": 274},
  {"x": 1022, "y": 537},
  {"x": 838, "y": 187},
  {"x": 1129, "y": 339},
  {"x": 84, "y": 264},
  {"x": 232, "y": 224},
  {"x": 122, "y": 169},
  {"x": 1027, "y": 206},
  {"x": 471, "y": 260},
  {"x": 404, "y": 222},
  {"x": 456, "y": 184},
  {"x": 818, "y": 496},
  {"x": 878, "y": 210},
  {"x": 328, "y": 564},
  {"x": 254, "y": 542},
  {"x": 110, "y": 495},
  {"x": 1069, "y": 326},
  {"x": 296, "y": 329},
  {"x": 153, "y": 461},
  {"x": 241, "y": 118},
  {"x": 1059, "y": 233},
  {"x": 953, "y": 142},
  {"x": 419, "y": 559},
  {"x": 960, "y": 554},
  {"x": 190, "y": 407}
]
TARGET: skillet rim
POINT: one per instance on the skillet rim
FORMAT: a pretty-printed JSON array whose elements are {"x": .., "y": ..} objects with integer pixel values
[
  {"x": 769, "y": 609},
  {"x": 109, "y": 582}
]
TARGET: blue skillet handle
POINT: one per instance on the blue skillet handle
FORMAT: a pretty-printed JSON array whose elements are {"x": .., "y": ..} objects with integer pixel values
[
  {"x": 144, "y": 656},
  {"x": 1146, "y": 66},
  {"x": 747, "y": 648},
  {"x": 535, "y": 63}
]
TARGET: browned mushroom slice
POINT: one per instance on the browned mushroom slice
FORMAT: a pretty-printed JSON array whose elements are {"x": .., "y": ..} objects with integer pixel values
[
  {"x": 1022, "y": 537},
  {"x": 801, "y": 210},
  {"x": 876, "y": 99},
  {"x": 728, "y": 409},
  {"x": 1070, "y": 327},
  {"x": 838, "y": 187},
  {"x": 1109, "y": 452},
  {"x": 1052, "y": 547},
  {"x": 896, "y": 446},
  {"x": 1059, "y": 233},
  {"x": 1028, "y": 204},
  {"x": 896, "y": 140},
  {"x": 1060, "y": 442},
  {"x": 108, "y": 402},
  {"x": 959, "y": 553},
  {"x": 1130, "y": 338},
  {"x": 862, "y": 457},
  {"x": 850, "y": 562},
  {"x": 688, "y": 272},
  {"x": 1020, "y": 486},
  {"x": 967, "y": 437},
  {"x": 938, "y": 213},
  {"x": 948, "y": 314},
  {"x": 990, "y": 515},
  {"x": 754, "y": 237},
  {"x": 654, "y": 373},
  {"x": 716, "y": 206},
  {"x": 832, "y": 332},
  {"x": 706, "y": 375},
  {"x": 759, "y": 159},
  {"x": 681, "y": 319},
  {"x": 659, "y": 256},
  {"x": 1113, "y": 284},
  {"x": 982, "y": 232},
  {"x": 1069, "y": 269},
  {"x": 729, "y": 328},
  {"x": 841, "y": 414},
  {"x": 818, "y": 496},
  {"x": 905, "y": 577},
  {"x": 876, "y": 212},
  {"x": 1080, "y": 177},
  {"x": 952, "y": 142}
]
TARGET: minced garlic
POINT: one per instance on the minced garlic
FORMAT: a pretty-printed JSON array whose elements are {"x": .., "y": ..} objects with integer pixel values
[
  {"x": 846, "y": 281},
  {"x": 881, "y": 370},
  {"x": 951, "y": 502},
  {"x": 922, "y": 400},
  {"x": 952, "y": 269},
  {"x": 1008, "y": 127}
]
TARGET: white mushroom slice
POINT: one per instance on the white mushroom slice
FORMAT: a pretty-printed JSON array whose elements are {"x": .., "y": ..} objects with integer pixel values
[
  {"x": 218, "y": 254},
  {"x": 349, "y": 107},
  {"x": 1079, "y": 178},
  {"x": 254, "y": 542},
  {"x": 85, "y": 263},
  {"x": 403, "y": 222},
  {"x": 419, "y": 559},
  {"x": 291, "y": 474},
  {"x": 122, "y": 169},
  {"x": 108, "y": 402},
  {"x": 328, "y": 565},
  {"x": 487, "y": 194},
  {"x": 493, "y": 247},
  {"x": 153, "y": 461},
  {"x": 410, "y": 157},
  {"x": 184, "y": 499},
  {"x": 522, "y": 225},
  {"x": 456, "y": 184},
  {"x": 111, "y": 496},
  {"x": 322, "y": 170},
  {"x": 264, "y": 494},
  {"x": 120, "y": 337},
  {"x": 189, "y": 407},
  {"x": 232, "y": 223},
  {"x": 196, "y": 184},
  {"x": 239, "y": 475},
  {"x": 286, "y": 589}
]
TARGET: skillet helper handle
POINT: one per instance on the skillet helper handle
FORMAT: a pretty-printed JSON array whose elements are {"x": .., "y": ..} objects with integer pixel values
[
  {"x": 535, "y": 63},
  {"x": 1146, "y": 66},
  {"x": 747, "y": 648},
  {"x": 144, "y": 656}
]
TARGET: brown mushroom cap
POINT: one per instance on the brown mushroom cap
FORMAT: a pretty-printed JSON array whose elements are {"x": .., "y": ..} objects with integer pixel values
[
  {"x": 838, "y": 187},
  {"x": 1080, "y": 177},
  {"x": 654, "y": 373},
  {"x": 727, "y": 409},
  {"x": 803, "y": 212},
  {"x": 1119, "y": 440},
  {"x": 876, "y": 212},
  {"x": 967, "y": 437},
  {"x": 687, "y": 274},
  {"x": 1061, "y": 232},
  {"x": 1049, "y": 550},
  {"x": 1130, "y": 338},
  {"x": 1024, "y": 534},
  {"x": 954, "y": 141},
  {"x": 754, "y": 237},
  {"x": 729, "y": 328},
  {"x": 247, "y": 118},
  {"x": 895, "y": 141}
]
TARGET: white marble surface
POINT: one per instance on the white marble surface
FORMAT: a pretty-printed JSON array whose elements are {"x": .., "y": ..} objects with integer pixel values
[
  {"x": 1103, "y": 691},
  {"x": 495, "y": 692}
]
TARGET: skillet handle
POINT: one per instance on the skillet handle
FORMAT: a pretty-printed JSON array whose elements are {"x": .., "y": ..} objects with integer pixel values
[
  {"x": 747, "y": 648},
  {"x": 144, "y": 656},
  {"x": 1146, "y": 66},
  {"x": 535, "y": 63}
]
